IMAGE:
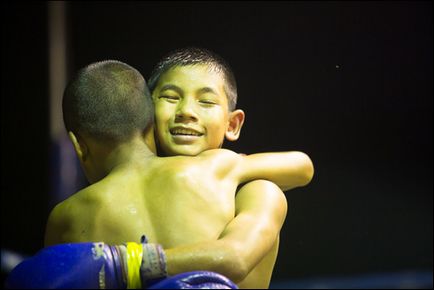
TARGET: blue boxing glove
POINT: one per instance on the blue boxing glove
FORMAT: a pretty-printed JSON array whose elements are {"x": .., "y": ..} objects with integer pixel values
[
  {"x": 195, "y": 280},
  {"x": 79, "y": 265},
  {"x": 97, "y": 265},
  {"x": 91, "y": 265}
]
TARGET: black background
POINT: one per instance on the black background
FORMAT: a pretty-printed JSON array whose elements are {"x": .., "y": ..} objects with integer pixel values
[{"x": 349, "y": 83}]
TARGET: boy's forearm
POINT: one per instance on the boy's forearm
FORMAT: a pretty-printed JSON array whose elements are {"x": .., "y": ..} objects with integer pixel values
[
  {"x": 211, "y": 256},
  {"x": 286, "y": 169},
  {"x": 260, "y": 213}
]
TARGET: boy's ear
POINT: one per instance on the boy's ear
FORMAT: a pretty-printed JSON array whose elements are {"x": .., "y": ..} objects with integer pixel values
[
  {"x": 236, "y": 121},
  {"x": 79, "y": 146}
]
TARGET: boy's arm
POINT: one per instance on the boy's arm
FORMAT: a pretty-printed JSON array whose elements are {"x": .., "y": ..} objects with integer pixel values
[
  {"x": 287, "y": 169},
  {"x": 260, "y": 212},
  {"x": 70, "y": 223},
  {"x": 53, "y": 229}
]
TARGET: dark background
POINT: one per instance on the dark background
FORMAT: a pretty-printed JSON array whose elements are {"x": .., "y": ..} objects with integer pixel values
[{"x": 349, "y": 83}]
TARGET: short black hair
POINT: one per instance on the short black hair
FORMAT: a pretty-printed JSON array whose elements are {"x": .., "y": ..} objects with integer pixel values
[
  {"x": 194, "y": 56},
  {"x": 107, "y": 100}
]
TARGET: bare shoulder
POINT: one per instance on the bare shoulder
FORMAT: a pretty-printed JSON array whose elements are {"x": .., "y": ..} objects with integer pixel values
[
  {"x": 77, "y": 200},
  {"x": 221, "y": 161},
  {"x": 219, "y": 154},
  {"x": 63, "y": 210},
  {"x": 57, "y": 224},
  {"x": 66, "y": 215}
]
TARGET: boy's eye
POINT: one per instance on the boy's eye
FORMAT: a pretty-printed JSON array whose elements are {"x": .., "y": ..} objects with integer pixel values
[
  {"x": 170, "y": 98},
  {"x": 207, "y": 102}
]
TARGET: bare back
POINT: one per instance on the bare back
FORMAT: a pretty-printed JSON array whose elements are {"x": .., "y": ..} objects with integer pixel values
[{"x": 174, "y": 201}]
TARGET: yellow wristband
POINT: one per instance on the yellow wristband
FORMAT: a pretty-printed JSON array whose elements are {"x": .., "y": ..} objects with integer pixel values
[{"x": 134, "y": 261}]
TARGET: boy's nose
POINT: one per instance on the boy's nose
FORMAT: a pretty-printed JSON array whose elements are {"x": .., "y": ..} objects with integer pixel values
[{"x": 185, "y": 112}]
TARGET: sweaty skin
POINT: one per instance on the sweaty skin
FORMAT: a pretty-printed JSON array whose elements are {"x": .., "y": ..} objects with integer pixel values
[{"x": 183, "y": 203}]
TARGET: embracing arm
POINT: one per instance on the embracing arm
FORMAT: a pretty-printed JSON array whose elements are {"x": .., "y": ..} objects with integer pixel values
[
  {"x": 286, "y": 169},
  {"x": 260, "y": 212}
]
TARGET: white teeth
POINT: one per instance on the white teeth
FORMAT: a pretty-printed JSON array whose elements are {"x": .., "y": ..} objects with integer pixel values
[{"x": 181, "y": 131}]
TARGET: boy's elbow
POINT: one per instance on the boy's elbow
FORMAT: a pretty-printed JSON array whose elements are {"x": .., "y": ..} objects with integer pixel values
[{"x": 307, "y": 171}]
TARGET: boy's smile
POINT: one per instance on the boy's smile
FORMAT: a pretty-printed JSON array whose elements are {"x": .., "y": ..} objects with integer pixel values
[
  {"x": 183, "y": 134},
  {"x": 191, "y": 110}
]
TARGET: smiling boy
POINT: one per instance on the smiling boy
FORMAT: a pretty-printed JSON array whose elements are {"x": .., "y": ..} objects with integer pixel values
[
  {"x": 192, "y": 111},
  {"x": 195, "y": 94}
]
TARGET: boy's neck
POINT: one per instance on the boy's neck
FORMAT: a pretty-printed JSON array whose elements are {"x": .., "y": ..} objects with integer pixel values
[
  {"x": 102, "y": 158},
  {"x": 133, "y": 152}
]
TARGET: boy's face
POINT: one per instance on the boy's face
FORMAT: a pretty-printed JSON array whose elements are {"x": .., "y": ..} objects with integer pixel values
[{"x": 191, "y": 110}]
